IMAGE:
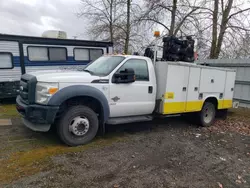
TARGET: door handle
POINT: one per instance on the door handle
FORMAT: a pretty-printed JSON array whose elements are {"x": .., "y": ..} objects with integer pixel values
[
  {"x": 150, "y": 89},
  {"x": 184, "y": 89},
  {"x": 196, "y": 89}
]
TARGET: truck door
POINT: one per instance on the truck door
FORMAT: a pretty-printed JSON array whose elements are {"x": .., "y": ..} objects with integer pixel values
[
  {"x": 137, "y": 98},
  {"x": 176, "y": 89}
]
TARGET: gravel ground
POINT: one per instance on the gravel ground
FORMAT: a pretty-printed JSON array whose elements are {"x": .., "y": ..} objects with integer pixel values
[{"x": 165, "y": 153}]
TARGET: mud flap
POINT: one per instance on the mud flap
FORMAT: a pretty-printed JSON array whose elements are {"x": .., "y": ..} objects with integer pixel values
[
  {"x": 222, "y": 114},
  {"x": 102, "y": 129}
]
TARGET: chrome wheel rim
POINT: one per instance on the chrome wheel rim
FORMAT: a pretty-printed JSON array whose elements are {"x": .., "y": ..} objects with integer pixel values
[{"x": 79, "y": 126}]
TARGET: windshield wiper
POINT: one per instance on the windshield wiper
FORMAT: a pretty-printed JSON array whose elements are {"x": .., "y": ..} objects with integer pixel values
[{"x": 88, "y": 71}]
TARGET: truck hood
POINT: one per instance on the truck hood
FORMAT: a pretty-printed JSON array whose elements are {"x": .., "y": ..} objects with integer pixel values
[{"x": 63, "y": 76}]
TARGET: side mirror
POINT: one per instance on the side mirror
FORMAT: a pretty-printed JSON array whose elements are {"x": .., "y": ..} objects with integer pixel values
[{"x": 125, "y": 76}]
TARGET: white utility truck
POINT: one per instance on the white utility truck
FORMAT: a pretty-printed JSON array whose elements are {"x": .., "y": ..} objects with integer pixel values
[{"x": 116, "y": 89}]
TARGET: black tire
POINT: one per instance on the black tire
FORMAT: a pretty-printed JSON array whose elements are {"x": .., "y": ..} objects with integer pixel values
[
  {"x": 206, "y": 118},
  {"x": 63, "y": 125}
]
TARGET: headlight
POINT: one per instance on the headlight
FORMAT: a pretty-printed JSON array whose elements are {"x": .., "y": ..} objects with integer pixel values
[{"x": 44, "y": 90}]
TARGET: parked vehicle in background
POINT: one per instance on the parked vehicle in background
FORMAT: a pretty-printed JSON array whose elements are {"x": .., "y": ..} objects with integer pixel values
[{"x": 24, "y": 54}]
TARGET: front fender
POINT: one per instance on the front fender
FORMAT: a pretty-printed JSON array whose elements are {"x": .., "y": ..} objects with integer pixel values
[{"x": 80, "y": 91}]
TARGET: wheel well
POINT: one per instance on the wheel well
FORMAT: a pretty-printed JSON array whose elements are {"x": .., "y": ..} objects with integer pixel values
[
  {"x": 212, "y": 100},
  {"x": 90, "y": 102}
]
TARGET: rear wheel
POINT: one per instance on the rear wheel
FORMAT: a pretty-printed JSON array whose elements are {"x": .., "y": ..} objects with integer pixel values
[
  {"x": 207, "y": 114},
  {"x": 78, "y": 125}
]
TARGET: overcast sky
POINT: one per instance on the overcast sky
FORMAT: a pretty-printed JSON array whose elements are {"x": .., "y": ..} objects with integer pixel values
[{"x": 32, "y": 17}]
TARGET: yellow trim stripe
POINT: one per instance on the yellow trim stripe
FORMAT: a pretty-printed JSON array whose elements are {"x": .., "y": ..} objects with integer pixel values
[
  {"x": 179, "y": 107},
  {"x": 220, "y": 104},
  {"x": 194, "y": 106},
  {"x": 191, "y": 106},
  {"x": 224, "y": 104}
]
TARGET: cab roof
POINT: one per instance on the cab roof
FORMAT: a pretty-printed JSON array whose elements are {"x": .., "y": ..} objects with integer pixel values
[{"x": 128, "y": 56}]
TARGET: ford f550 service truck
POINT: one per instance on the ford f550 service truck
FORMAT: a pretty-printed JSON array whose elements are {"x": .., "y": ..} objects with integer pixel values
[{"x": 119, "y": 89}]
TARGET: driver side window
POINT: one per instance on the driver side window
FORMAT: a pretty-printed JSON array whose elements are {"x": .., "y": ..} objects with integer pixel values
[{"x": 139, "y": 66}]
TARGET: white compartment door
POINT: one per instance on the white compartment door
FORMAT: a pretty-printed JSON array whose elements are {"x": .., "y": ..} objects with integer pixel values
[
  {"x": 229, "y": 90},
  {"x": 212, "y": 81},
  {"x": 193, "y": 103},
  {"x": 176, "y": 89}
]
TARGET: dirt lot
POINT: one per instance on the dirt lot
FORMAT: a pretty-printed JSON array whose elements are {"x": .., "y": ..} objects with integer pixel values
[{"x": 165, "y": 153}]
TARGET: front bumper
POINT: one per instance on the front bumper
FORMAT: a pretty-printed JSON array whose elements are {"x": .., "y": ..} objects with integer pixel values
[{"x": 36, "y": 117}]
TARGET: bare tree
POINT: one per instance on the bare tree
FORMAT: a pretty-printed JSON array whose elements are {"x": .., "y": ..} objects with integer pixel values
[
  {"x": 102, "y": 15},
  {"x": 227, "y": 17},
  {"x": 110, "y": 20},
  {"x": 214, "y": 32},
  {"x": 127, "y": 27},
  {"x": 219, "y": 25},
  {"x": 173, "y": 17},
  {"x": 179, "y": 11}
]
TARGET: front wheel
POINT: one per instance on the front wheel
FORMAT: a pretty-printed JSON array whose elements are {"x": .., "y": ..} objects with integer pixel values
[
  {"x": 78, "y": 125},
  {"x": 207, "y": 114}
]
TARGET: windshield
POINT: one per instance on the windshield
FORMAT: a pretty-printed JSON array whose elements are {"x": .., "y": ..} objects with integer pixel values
[{"x": 104, "y": 65}]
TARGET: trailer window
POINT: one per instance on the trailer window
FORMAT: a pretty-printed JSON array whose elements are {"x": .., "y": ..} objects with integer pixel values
[
  {"x": 81, "y": 54},
  {"x": 140, "y": 67},
  {"x": 95, "y": 54},
  {"x": 38, "y": 53},
  {"x": 57, "y": 54},
  {"x": 6, "y": 60}
]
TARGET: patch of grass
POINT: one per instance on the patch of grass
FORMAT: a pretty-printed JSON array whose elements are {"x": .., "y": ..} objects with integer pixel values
[
  {"x": 8, "y": 111},
  {"x": 26, "y": 163}
]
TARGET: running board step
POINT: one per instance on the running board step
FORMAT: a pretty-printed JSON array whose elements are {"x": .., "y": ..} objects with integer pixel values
[{"x": 123, "y": 120}]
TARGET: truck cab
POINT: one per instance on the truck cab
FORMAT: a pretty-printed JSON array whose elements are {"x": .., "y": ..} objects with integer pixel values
[
  {"x": 109, "y": 90},
  {"x": 128, "y": 83}
]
